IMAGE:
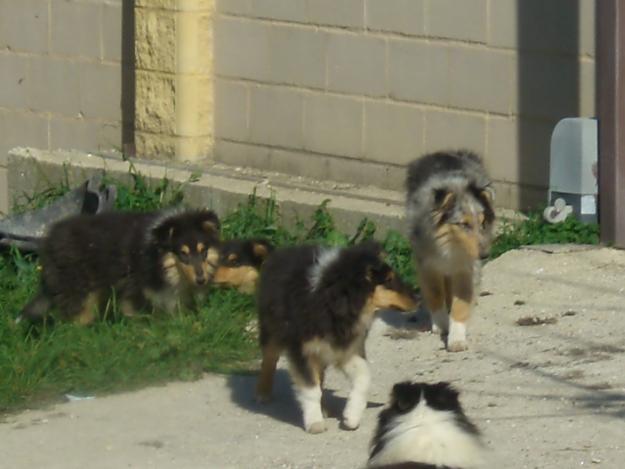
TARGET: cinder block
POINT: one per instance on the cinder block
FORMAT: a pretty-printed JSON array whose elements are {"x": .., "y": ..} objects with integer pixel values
[
  {"x": 21, "y": 129},
  {"x": 536, "y": 25},
  {"x": 276, "y": 116},
  {"x": 24, "y": 25},
  {"x": 231, "y": 110},
  {"x": 518, "y": 150},
  {"x": 4, "y": 192},
  {"x": 54, "y": 85},
  {"x": 242, "y": 48},
  {"x": 284, "y": 10},
  {"x": 100, "y": 90},
  {"x": 234, "y": 7},
  {"x": 393, "y": 132},
  {"x": 112, "y": 32},
  {"x": 547, "y": 85},
  {"x": 195, "y": 109},
  {"x": 270, "y": 52},
  {"x": 333, "y": 124},
  {"x": 155, "y": 146},
  {"x": 398, "y": 16},
  {"x": 356, "y": 64},
  {"x": 75, "y": 28},
  {"x": 158, "y": 4},
  {"x": 14, "y": 88},
  {"x": 299, "y": 163},
  {"x": 451, "y": 130},
  {"x": 240, "y": 154},
  {"x": 346, "y": 13},
  {"x": 297, "y": 56},
  {"x": 84, "y": 134},
  {"x": 419, "y": 72},
  {"x": 465, "y": 20},
  {"x": 155, "y": 40},
  {"x": 195, "y": 31},
  {"x": 481, "y": 79},
  {"x": 155, "y": 103},
  {"x": 503, "y": 27}
]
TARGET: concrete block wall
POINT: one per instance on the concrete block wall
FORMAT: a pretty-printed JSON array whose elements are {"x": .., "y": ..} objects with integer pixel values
[
  {"x": 60, "y": 76},
  {"x": 354, "y": 89}
]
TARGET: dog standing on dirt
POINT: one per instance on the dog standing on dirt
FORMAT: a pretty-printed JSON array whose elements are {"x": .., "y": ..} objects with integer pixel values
[
  {"x": 450, "y": 219},
  {"x": 424, "y": 427},
  {"x": 153, "y": 259},
  {"x": 316, "y": 304},
  {"x": 240, "y": 262}
]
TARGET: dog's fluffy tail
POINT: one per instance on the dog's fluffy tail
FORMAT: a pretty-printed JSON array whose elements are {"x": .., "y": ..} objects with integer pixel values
[{"x": 36, "y": 309}]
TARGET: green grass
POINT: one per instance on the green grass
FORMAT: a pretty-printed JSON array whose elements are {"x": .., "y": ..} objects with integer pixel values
[
  {"x": 41, "y": 364},
  {"x": 536, "y": 231}
]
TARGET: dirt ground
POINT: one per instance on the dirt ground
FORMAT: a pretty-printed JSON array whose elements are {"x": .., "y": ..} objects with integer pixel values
[{"x": 545, "y": 396}]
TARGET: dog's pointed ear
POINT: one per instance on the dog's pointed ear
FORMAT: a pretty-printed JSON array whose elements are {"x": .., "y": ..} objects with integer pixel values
[
  {"x": 209, "y": 222},
  {"x": 486, "y": 196},
  {"x": 444, "y": 200},
  {"x": 404, "y": 396},
  {"x": 164, "y": 232},
  {"x": 261, "y": 249},
  {"x": 375, "y": 272}
]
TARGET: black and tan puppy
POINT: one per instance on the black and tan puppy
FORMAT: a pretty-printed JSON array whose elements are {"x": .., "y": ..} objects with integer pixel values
[
  {"x": 148, "y": 259},
  {"x": 240, "y": 262},
  {"x": 316, "y": 304},
  {"x": 424, "y": 427}
]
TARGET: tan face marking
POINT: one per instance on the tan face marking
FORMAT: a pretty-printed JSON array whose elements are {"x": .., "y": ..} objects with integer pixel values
[
  {"x": 260, "y": 250},
  {"x": 185, "y": 249},
  {"x": 232, "y": 257},
  {"x": 386, "y": 298},
  {"x": 200, "y": 247},
  {"x": 243, "y": 278}
]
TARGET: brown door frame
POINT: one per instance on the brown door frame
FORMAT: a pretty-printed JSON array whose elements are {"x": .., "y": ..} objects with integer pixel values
[{"x": 610, "y": 96}]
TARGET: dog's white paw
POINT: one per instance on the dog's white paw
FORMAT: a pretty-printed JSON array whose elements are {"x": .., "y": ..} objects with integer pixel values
[
  {"x": 316, "y": 427},
  {"x": 457, "y": 339},
  {"x": 351, "y": 424},
  {"x": 457, "y": 346}
]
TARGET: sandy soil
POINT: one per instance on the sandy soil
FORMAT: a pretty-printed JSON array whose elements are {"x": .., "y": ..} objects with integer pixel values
[{"x": 545, "y": 396}]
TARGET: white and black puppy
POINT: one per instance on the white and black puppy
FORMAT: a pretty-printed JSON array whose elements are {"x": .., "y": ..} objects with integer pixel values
[
  {"x": 424, "y": 427},
  {"x": 315, "y": 304}
]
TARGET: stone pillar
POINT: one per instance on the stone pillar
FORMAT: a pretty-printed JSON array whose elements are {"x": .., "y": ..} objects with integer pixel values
[{"x": 174, "y": 79}]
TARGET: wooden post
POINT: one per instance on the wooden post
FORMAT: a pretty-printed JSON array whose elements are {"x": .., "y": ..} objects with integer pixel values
[{"x": 611, "y": 112}]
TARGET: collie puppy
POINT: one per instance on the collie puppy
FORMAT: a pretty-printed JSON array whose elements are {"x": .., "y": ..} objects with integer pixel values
[
  {"x": 315, "y": 304},
  {"x": 424, "y": 427},
  {"x": 145, "y": 259},
  {"x": 240, "y": 262},
  {"x": 450, "y": 219}
]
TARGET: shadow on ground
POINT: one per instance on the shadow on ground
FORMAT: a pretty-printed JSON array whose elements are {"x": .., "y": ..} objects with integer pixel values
[{"x": 283, "y": 406}]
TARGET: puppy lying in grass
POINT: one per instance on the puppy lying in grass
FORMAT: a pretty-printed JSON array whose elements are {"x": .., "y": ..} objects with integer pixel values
[
  {"x": 147, "y": 260},
  {"x": 316, "y": 304},
  {"x": 240, "y": 262},
  {"x": 424, "y": 427}
]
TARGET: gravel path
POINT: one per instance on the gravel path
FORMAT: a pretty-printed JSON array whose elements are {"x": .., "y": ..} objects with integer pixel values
[{"x": 545, "y": 396}]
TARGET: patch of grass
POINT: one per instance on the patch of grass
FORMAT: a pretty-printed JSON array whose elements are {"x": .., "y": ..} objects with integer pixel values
[
  {"x": 535, "y": 230},
  {"x": 41, "y": 364}
]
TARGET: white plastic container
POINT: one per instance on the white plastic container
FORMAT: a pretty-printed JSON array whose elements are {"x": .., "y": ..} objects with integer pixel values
[{"x": 573, "y": 168}]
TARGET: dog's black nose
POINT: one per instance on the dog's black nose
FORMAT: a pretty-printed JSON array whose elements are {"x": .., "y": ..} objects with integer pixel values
[{"x": 200, "y": 280}]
